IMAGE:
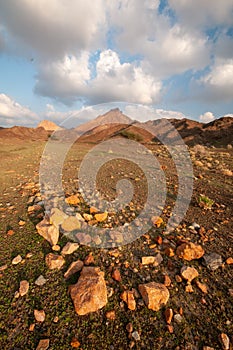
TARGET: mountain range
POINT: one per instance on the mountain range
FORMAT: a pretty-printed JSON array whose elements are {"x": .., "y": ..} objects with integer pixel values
[{"x": 114, "y": 124}]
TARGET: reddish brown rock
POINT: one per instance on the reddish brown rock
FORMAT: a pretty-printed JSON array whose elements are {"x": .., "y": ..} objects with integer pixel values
[
  {"x": 128, "y": 297},
  {"x": 190, "y": 251},
  {"x": 154, "y": 294},
  {"x": 54, "y": 261},
  {"x": 89, "y": 294},
  {"x": 48, "y": 232}
]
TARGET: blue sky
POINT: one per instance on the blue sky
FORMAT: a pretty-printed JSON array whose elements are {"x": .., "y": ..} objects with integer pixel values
[{"x": 167, "y": 58}]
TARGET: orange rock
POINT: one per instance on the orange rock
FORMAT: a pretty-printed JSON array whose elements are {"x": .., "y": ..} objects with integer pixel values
[
  {"x": 168, "y": 315},
  {"x": 128, "y": 297},
  {"x": 190, "y": 251},
  {"x": 154, "y": 294},
  {"x": 116, "y": 275},
  {"x": 89, "y": 294}
]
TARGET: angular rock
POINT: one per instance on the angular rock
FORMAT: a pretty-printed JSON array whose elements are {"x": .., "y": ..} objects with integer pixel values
[
  {"x": 212, "y": 261},
  {"x": 17, "y": 260},
  {"x": 43, "y": 344},
  {"x": 23, "y": 288},
  {"x": 190, "y": 251},
  {"x": 73, "y": 268},
  {"x": 189, "y": 273},
  {"x": 154, "y": 294},
  {"x": 40, "y": 281},
  {"x": 39, "y": 315},
  {"x": 71, "y": 224},
  {"x": 57, "y": 217},
  {"x": 101, "y": 217},
  {"x": 54, "y": 261},
  {"x": 48, "y": 232},
  {"x": 89, "y": 294},
  {"x": 69, "y": 248},
  {"x": 128, "y": 297}
]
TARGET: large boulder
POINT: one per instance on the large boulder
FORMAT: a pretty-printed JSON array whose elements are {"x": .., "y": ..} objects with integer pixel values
[{"x": 89, "y": 294}]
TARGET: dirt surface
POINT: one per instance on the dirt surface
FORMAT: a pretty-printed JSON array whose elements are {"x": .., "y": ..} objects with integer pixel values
[{"x": 204, "y": 317}]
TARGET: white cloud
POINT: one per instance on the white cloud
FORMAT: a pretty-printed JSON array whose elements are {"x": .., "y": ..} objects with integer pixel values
[
  {"x": 70, "y": 79},
  {"x": 218, "y": 83},
  {"x": 12, "y": 113},
  {"x": 55, "y": 27},
  {"x": 144, "y": 113},
  {"x": 206, "y": 117},
  {"x": 203, "y": 12}
]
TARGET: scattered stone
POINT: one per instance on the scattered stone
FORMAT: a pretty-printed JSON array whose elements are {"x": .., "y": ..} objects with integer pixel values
[
  {"x": 128, "y": 297},
  {"x": 136, "y": 336},
  {"x": 73, "y": 268},
  {"x": 225, "y": 341},
  {"x": 178, "y": 318},
  {"x": 69, "y": 248},
  {"x": 229, "y": 261},
  {"x": 23, "y": 288},
  {"x": 71, "y": 224},
  {"x": 73, "y": 200},
  {"x": 212, "y": 261},
  {"x": 101, "y": 217},
  {"x": 167, "y": 281},
  {"x": 89, "y": 259},
  {"x": 56, "y": 248},
  {"x": 54, "y": 261},
  {"x": 40, "y": 281},
  {"x": 157, "y": 221},
  {"x": 110, "y": 315},
  {"x": 89, "y": 294},
  {"x": 189, "y": 289},
  {"x": 43, "y": 344},
  {"x": 116, "y": 275},
  {"x": 57, "y": 217},
  {"x": 17, "y": 260},
  {"x": 203, "y": 287},
  {"x": 190, "y": 251},
  {"x": 48, "y": 232},
  {"x": 154, "y": 295},
  {"x": 129, "y": 327},
  {"x": 189, "y": 273},
  {"x": 75, "y": 343},
  {"x": 39, "y": 315},
  {"x": 168, "y": 315}
]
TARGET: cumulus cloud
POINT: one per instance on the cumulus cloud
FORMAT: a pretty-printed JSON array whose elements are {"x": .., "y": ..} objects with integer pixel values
[
  {"x": 218, "y": 83},
  {"x": 144, "y": 113},
  {"x": 54, "y": 28},
  {"x": 206, "y": 117},
  {"x": 13, "y": 113},
  {"x": 70, "y": 79}
]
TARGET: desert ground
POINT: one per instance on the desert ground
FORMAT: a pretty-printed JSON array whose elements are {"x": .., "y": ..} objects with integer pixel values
[{"x": 198, "y": 313}]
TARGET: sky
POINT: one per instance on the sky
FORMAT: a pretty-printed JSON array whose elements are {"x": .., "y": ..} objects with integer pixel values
[{"x": 168, "y": 58}]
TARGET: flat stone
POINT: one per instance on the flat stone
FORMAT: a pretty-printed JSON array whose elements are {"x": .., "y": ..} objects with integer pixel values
[
  {"x": 43, "y": 344},
  {"x": 189, "y": 273},
  {"x": 128, "y": 297},
  {"x": 48, "y": 232},
  {"x": 69, "y": 248},
  {"x": 213, "y": 261},
  {"x": 73, "y": 268},
  {"x": 71, "y": 224},
  {"x": 54, "y": 261},
  {"x": 89, "y": 294},
  {"x": 154, "y": 294},
  {"x": 23, "y": 288},
  {"x": 190, "y": 251}
]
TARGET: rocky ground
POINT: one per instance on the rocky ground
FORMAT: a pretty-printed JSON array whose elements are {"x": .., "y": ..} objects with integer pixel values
[{"x": 162, "y": 291}]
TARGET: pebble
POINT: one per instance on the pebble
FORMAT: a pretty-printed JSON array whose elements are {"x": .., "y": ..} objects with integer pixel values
[
  {"x": 213, "y": 261},
  {"x": 40, "y": 281},
  {"x": 17, "y": 260}
]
